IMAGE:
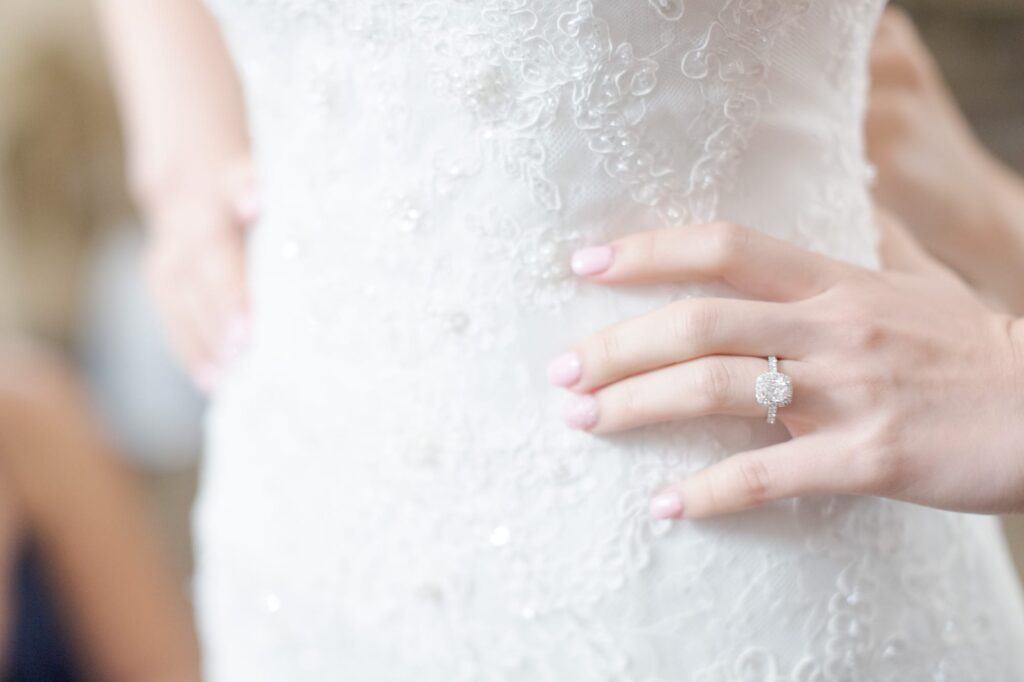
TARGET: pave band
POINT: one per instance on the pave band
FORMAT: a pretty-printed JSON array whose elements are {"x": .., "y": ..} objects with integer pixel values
[{"x": 773, "y": 389}]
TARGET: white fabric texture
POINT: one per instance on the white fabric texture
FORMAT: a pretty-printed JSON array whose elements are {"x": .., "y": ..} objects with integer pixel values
[{"x": 389, "y": 492}]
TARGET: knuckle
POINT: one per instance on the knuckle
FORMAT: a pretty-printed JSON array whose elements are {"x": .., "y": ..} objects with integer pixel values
[
  {"x": 608, "y": 347},
  {"x": 754, "y": 480},
  {"x": 867, "y": 333},
  {"x": 728, "y": 243},
  {"x": 630, "y": 406},
  {"x": 652, "y": 246},
  {"x": 714, "y": 383},
  {"x": 856, "y": 322},
  {"x": 693, "y": 323},
  {"x": 710, "y": 494}
]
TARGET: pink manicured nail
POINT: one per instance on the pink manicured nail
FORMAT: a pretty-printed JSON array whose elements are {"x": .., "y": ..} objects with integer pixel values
[
  {"x": 235, "y": 339},
  {"x": 249, "y": 206},
  {"x": 667, "y": 505},
  {"x": 591, "y": 260},
  {"x": 581, "y": 412},
  {"x": 565, "y": 369}
]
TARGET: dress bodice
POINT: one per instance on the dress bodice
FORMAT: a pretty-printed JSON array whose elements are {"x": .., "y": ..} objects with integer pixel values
[{"x": 697, "y": 109}]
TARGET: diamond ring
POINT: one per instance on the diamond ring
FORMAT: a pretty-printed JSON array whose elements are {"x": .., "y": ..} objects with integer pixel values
[{"x": 773, "y": 389}]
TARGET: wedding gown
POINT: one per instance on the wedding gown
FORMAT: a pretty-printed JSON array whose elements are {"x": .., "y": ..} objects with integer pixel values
[{"x": 389, "y": 492}]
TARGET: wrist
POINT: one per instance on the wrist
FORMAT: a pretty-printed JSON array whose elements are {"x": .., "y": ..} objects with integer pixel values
[
  {"x": 155, "y": 186},
  {"x": 1016, "y": 334},
  {"x": 986, "y": 238},
  {"x": 1003, "y": 232}
]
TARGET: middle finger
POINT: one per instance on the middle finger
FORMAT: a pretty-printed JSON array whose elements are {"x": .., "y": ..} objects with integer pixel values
[{"x": 678, "y": 332}]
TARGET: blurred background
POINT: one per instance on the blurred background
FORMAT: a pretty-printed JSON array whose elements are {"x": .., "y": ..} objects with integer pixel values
[
  {"x": 69, "y": 247},
  {"x": 70, "y": 276},
  {"x": 69, "y": 240}
]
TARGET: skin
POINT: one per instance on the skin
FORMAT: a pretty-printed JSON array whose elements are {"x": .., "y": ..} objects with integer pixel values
[
  {"x": 898, "y": 374},
  {"x": 10, "y": 536},
  {"x": 190, "y": 172},
  {"x": 964, "y": 205},
  {"x": 61, "y": 482}
]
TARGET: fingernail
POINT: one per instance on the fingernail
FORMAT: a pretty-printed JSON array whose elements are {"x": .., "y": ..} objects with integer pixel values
[
  {"x": 248, "y": 206},
  {"x": 667, "y": 504},
  {"x": 235, "y": 339},
  {"x": 565, "y": 369},
  {"x": 591, "y": 260},
  {"x": 581, "y": 412}
]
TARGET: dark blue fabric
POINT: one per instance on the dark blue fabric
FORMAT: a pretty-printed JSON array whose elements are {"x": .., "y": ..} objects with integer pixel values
[{"x": 38, "y": 651}]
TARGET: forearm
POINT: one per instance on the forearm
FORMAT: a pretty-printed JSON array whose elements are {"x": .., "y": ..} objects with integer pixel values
[
  {"x": 963, "y": 204},
  {"x": 179, "y": 95},
  {"x": 991, "y": 256},
  {"x": 10, "y": 540},
  {"x": 116, "y": 589}
]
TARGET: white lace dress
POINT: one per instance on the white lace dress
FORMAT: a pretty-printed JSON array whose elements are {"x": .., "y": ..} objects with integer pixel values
[{"x": 389, "y": 492}]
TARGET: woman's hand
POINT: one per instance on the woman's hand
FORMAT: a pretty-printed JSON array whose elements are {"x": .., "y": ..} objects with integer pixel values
[
  {"x": 964, "y": 205},
  {"x": 184, "y": 115},
  {"x": 195, "y": 266},
  {"x": 905, "y": 385}
]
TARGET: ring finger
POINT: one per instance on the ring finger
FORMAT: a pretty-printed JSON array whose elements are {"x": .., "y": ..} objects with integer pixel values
[{"x": 715, "y": 384}]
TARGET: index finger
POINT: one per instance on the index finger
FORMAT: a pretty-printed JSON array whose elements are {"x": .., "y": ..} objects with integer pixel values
[{"x": 761, "y": 266}]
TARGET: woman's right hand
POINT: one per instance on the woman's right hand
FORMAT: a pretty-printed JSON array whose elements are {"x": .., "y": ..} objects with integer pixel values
[
  {"x": 189, "y": 168},
  {"x": 195, "y": 264}
]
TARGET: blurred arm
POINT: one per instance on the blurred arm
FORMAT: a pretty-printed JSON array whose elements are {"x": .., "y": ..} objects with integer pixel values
[
  {"x": 127, "y": 613},
  {"x": 189, "y": 169},
  {"x": 963, "y": 204},
  {"x": 180, "y": 97}
]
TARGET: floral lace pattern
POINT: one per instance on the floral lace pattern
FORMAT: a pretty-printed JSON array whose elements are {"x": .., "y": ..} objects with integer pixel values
[{"x": 388, "y": 492}]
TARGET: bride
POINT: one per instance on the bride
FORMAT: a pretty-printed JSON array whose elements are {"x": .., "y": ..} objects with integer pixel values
[{"x": 660, "y": 207}]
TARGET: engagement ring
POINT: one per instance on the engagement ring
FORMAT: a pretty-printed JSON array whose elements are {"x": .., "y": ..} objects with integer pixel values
[{"x": 773, "y": 389}]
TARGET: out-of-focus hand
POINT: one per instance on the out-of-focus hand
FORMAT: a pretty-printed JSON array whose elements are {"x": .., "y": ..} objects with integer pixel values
[
  {"x": 933, "y": 173},
  {"x": 904, "y": 384},
  {"x": 195, "y": 264},
  {"x": 189, "y": 170}
]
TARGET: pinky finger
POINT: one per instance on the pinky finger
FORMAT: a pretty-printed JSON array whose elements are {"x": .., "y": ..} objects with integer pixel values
[
  {"x": 801, "y": 466},
  {"x": 181, "y": 320},
  {"x": 187, "y": 340}
]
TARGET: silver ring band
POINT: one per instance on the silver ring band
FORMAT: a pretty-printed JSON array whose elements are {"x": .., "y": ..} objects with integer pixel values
[{"x": 773, "y": 389}]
